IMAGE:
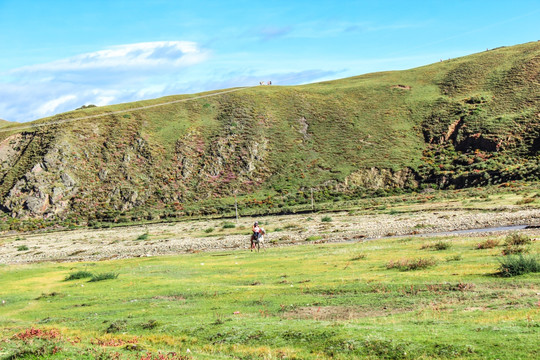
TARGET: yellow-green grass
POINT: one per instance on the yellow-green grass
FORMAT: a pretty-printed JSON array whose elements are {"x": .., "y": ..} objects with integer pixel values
[{"x": 305, "y": 302}]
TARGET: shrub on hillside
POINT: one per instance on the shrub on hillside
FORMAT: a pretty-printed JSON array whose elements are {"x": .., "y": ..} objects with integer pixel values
[
  {"x": 518, "y": 265},
  {"x": 439, "y": 245},
  {"x": 78, "y": 275},
  {"x": 103, "y": 276},
  {"x": 514, "y": 249},
  {"x": 411, "y": 264},
  {"x": 515, "y": 243},
  {"x": 488, "y": 244},
  {"x": 326, "y": 219},
  {"x": 457, "y": 257},
  {"x": 518, "y": 239}
]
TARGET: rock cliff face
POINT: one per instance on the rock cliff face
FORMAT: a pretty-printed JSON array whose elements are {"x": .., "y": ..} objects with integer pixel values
[
  {"x": 44, "y": 185},
  {"x": 465, "y": 122},
  {"x": 374, "y": 178}
]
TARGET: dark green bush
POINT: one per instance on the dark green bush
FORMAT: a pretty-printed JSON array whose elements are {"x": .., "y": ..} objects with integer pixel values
[
  {"x": 518, "y": 265},
  {"x": 326, "y": 219},
  {"x": 103, "y": 276},
  {"x": 22, "y": 248},
  {"x": 79, "y": 275}
]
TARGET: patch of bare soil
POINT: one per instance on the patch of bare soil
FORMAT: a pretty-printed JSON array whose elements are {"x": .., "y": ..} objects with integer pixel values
[
  {"x": 402, "y": 87},
  {"x": 339, "y": 312}
]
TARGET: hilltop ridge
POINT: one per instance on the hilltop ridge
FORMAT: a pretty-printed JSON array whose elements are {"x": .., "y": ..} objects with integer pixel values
[{"x": 463, "y": 122}]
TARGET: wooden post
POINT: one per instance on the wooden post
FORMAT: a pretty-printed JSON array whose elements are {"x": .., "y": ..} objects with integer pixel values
[{"x": 236, "y": 207}]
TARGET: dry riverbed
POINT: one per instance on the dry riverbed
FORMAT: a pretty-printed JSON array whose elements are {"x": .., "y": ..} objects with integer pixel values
[{"x": 195, "y": 236}]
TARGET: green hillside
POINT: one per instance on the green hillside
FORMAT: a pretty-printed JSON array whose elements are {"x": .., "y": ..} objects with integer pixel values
[{"x": 464, "y": 122}]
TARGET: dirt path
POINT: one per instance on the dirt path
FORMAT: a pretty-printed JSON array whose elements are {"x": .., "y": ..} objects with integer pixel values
[{"x": 186, "y": 237}]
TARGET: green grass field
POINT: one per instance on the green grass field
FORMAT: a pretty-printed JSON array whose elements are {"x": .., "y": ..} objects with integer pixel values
[{"x": 313, "y": 301}]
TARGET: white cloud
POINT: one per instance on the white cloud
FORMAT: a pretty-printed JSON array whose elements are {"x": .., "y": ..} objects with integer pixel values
[
  {"x": 51, "y": 106},
  {"x": 120, "y": 73},
  {"x": 140, "y": 55}
]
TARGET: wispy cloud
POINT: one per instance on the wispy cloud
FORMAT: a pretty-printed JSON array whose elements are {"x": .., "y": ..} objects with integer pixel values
[
  {"x": 330, "y": 29},
  {"x": 147, "y": 55},
  {"x": 273, "y": 32},
  {"x": 117, "y": 74}
]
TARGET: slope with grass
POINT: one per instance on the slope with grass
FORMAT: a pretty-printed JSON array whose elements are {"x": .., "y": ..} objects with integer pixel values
[
  {"x": 400, "y": 298},
  {"x": 463, "y": 122},
  {"x": 4, "y": 122}
]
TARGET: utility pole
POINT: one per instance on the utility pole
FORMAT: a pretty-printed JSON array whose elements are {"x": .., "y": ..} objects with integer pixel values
[{"x": 236, "y": 206}]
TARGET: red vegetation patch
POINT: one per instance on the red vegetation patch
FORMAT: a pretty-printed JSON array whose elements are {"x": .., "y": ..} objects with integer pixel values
[
  {"x": 33, "y": 333},
  {"x": 113, "y": 342},
  {"x": 169, "y": 356}
]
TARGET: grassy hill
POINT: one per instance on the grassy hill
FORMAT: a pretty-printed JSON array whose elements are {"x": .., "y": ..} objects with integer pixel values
[{"x": 463, "y": 122}]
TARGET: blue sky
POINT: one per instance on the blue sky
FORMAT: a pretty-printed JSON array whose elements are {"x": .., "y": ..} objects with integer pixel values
[{"x": 57, "y": 55}]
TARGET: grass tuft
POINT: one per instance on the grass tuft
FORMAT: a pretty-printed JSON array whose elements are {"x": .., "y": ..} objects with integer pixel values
[
  {"x": 116, "y": 326},
  {"x": 143, "y": 236},
  {"x": 79, "y": 275},
  {"x": 439, "y": 245},
  {"x": 103, "y": 276},
  {"x": 150, "y": 324},
  {"x": 22, "y": 248},
  {"x": 457, "y": 257},
  {"x": 326, "y": 219},
  {"x": 411, "y": 264}
]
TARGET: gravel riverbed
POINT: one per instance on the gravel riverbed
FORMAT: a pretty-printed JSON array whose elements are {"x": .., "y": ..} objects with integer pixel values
[{"x": 286, "y": 230}]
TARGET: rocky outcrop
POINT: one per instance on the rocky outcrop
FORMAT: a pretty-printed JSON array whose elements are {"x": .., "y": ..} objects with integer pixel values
[
  {"x": 45, "y": 189},
  {"x": 375, "y": 178}
]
